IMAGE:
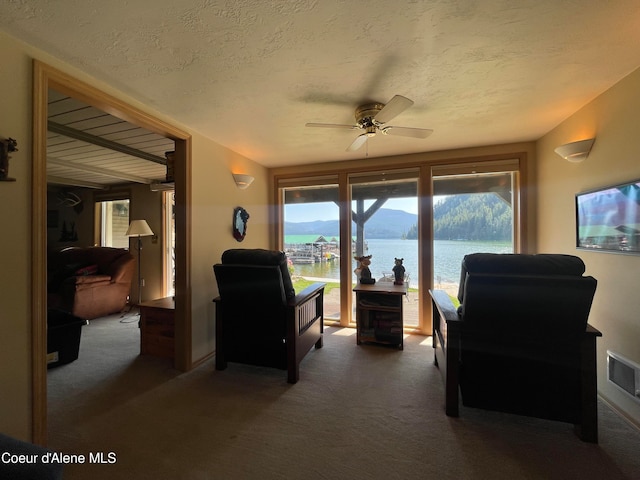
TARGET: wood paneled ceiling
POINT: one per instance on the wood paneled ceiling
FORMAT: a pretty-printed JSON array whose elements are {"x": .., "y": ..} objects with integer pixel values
[{"x": 89, "y": 148}]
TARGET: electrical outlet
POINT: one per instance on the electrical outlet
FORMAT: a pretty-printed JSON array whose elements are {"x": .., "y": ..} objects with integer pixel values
[{"x": 142, "y": 282}]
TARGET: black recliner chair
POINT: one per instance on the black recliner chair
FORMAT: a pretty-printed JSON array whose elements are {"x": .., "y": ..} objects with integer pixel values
[
  {"x": 519, "y": 342},
  {"x": 259, "y": 318},
  {"x": 31, "y": 466}
]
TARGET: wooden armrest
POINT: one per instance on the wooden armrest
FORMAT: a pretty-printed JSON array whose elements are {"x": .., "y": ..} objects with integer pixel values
[
  {"x": 447, "y": 327},
  {"x": 443, "y": 303},
  {"x": 593, "y": 331},
  {"x": 307, "y": 294}
]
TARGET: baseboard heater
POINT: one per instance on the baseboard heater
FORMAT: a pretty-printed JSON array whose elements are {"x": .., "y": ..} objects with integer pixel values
[{"x": 624, "y": 373}]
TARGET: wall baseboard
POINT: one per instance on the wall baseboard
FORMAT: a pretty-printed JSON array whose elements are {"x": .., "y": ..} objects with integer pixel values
[{"x": 621, "y": 413}]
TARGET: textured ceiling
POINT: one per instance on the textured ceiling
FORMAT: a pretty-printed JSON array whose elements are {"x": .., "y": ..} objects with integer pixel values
[{"x": 250, "y": 73}]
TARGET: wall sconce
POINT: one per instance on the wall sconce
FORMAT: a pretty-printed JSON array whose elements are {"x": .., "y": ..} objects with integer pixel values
[
  {"x": 242, "y": 180},
  {"x": 575, "y": 151}
]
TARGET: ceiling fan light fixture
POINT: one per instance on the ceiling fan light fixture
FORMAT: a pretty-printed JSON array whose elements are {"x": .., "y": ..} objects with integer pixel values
[
  {"x": 358, "y": 142},
  {"x": 372, "y": 117}
]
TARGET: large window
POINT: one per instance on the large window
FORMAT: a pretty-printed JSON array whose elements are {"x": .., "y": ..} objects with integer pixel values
[
  {"x": 312, "y": 241},
  {"x": 113, "y": 222},
  {"x": 473, "y": 212},
  {"x": 428, "y": 215},
  {"x": 384, "y": 223}
]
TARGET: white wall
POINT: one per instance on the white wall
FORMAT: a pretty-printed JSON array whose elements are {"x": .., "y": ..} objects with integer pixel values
[
  {"x": 215, "y": 196},
  {"x": 15, "y": 243},
  {"x": 612, "y": 118}
]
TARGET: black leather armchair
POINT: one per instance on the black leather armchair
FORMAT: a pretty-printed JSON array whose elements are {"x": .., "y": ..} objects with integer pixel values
[
  {"x": 519, "y": 342},
  {"x": 259, "y": 318}
]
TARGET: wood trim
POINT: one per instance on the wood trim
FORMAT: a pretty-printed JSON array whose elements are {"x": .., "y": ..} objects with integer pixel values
[
  {"x": 522, "y": 235},
  {"x": 275, "y": 216},
  {"x": 38, "y": 257},
  {"x": 45, "y": 77},
  {"x": 425, "y": 248},
  {"x": 183, "y": 330},
  {"x": 65, "y": 83},
  {"x": 203, "y": 360},
  {"x": 346, "y": 296}
]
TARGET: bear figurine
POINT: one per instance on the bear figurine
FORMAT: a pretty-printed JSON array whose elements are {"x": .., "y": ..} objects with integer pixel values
[
  {"x": 398, "y": 272},
  {"x": 362, "y": 271}
]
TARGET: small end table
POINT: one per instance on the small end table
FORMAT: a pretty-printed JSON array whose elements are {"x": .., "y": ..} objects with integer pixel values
[
  {"x": 379, "y": 313},
  {"x": 157, "y": 327}
]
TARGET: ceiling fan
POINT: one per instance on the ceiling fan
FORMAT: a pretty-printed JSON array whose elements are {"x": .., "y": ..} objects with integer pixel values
[{"x": 372, "y": 118}]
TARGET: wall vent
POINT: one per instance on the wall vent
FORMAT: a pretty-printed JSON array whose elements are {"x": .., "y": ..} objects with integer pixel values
[{"x": 624, "y": 373}]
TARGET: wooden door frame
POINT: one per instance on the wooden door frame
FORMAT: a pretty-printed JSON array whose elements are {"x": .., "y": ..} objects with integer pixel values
[{"x": 44, "y": 78}]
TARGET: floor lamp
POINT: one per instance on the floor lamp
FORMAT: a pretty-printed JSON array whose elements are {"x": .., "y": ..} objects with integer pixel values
[{"x": 139, "y": 229}]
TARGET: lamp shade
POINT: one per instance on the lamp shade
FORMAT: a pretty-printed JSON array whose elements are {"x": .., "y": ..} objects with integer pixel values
[{"x": 139, "y": 228}]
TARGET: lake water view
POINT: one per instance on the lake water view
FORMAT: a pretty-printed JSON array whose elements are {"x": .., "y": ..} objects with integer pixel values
[{"x": 448, "y": 256}]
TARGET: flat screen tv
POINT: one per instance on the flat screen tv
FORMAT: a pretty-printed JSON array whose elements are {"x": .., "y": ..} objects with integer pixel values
[{"x": 608, "y": 219}]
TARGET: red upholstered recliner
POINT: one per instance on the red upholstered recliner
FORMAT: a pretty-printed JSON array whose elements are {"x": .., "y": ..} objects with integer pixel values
[
  {"x": 519, "y": 342},
  {"x": 89, "y": 282}
]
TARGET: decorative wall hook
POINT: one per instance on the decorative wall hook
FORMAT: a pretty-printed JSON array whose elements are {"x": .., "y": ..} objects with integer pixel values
[{"x": 6, "y": 146}]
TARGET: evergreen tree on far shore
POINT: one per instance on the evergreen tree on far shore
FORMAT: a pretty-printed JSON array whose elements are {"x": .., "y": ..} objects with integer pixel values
[{"x": 482, "y": 216}]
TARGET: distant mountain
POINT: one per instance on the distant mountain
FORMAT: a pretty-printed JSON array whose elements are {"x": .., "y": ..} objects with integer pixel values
[
  {"x": 385, "y": 223},
  {"x": 468, "y": 217},
  {"x": 328, "y": 228},
  {"x": 388, "y": 223}
]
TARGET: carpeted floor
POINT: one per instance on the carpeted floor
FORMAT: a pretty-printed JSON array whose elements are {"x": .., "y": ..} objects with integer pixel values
[{"x": 358, "y": 412}]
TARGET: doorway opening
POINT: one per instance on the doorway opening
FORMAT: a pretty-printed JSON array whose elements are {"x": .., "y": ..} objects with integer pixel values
[{"x": 46, "y": 79}]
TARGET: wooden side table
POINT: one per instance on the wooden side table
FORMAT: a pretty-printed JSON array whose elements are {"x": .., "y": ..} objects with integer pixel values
[
  {"x": 379, "y": 313},
  {"x": 157, "y": 327}
]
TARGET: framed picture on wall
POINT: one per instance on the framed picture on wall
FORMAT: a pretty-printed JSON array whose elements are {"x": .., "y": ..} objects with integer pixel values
[{"x": 608, "y": 219}]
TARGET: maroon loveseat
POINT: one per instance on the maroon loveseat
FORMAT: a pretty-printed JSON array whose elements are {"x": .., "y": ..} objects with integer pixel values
[{"x": 89, "y": 282}]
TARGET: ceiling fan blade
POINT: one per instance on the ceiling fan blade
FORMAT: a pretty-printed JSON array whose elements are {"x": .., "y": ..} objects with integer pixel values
[
  {"x": 332, "y": 125},
  {"x": 358, "y": 142},
  {"x": 407, "y": 132},
  {"x": 396, "y": 106}
]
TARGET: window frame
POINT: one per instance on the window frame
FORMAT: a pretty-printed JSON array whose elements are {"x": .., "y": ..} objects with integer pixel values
[
  {"x": 99, "y": 199},
  {"x": 340, "y": 173}
]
